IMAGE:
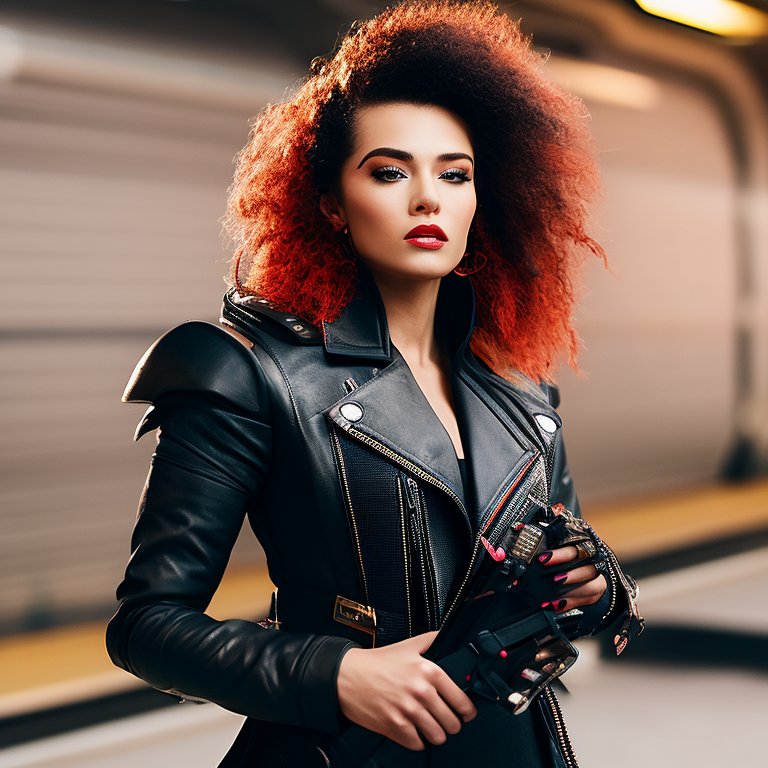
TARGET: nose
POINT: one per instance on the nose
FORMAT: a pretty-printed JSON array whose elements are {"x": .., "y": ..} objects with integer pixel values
[{"x": 425, "y": 198}]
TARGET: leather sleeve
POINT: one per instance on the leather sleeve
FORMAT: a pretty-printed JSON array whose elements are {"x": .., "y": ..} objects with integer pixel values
[
  {"x": 211, "y": 458},
  {"x": 564, "y": 492}
]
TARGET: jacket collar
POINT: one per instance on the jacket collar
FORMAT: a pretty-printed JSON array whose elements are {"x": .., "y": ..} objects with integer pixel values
[{"x": 361, "y": 328}]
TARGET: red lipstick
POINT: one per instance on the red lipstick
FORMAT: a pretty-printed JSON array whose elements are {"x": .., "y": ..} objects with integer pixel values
[{"x": 427, "y": 236}]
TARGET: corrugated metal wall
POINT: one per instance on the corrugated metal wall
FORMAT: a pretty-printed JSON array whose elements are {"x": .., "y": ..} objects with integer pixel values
[{"x": 109, "y": 236}]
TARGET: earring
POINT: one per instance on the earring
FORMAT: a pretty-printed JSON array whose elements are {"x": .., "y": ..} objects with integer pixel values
[
  {"x": 471, "y": 262},
  {"x": 348, "y": 241}
]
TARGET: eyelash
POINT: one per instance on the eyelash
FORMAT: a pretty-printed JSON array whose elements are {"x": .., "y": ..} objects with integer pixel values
[{"x": 380, "y": 174}]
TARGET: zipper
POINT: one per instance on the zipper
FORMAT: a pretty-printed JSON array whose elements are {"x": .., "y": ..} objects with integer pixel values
[
  {"x": 418, "y": 526},
  {"x": 431, "y": 572},
  {"x": 508, "y": 499},
  {"x": 350, "y": 511},
  {"x": 437, "y": 483},
  {"x": 477, "y": 549},
  {"x": 563, "y": 739},
  {"x": 406, "y": 558},
  {"x": 409, "y": 465}
]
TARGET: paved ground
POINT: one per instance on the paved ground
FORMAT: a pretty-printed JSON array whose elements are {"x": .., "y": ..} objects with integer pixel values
[{"x": 619, "y": 713}]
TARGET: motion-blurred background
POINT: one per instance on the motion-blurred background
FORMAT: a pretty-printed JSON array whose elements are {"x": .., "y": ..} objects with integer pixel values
[{"x": 119, "y": 123}]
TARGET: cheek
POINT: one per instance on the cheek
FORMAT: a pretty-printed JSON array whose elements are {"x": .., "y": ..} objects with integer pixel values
[
  {"x": 468, "y": 206},
  {"x": 370, "y": 211}
]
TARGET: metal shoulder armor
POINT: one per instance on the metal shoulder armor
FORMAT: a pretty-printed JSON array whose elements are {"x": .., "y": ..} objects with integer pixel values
[{"x": 198, "y": 357}]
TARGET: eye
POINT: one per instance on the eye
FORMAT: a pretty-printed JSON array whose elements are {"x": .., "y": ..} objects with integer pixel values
[
  {"x": 388, "y": 173},
  {"x": 456, "y": 175}
]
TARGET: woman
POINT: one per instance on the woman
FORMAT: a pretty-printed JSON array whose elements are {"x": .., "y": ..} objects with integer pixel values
[{"x": 366, "y": 402}]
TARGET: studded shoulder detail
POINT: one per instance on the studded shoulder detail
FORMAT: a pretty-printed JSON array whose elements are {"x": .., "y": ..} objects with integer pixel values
[{"x": 255, "y": 312}]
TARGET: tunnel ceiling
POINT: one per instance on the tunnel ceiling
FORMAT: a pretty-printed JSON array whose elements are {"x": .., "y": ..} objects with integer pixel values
[{"x": 294, "y": 30}]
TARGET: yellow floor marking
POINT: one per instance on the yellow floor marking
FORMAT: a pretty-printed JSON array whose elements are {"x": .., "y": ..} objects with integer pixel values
[
  {"x": 54, "y": 656},
  {"x": 654, "y": 525}
]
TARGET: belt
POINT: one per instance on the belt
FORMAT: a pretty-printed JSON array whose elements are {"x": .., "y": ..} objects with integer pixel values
[{"x": 302, "y": 611}]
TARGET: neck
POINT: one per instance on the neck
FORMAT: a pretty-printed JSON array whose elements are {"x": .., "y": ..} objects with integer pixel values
[{"x": 410, "y": 307}]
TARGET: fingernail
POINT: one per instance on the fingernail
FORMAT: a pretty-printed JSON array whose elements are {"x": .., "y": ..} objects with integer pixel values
[
  {"x": 560, "y": 605},
  {"x": 561, "y": 577},
  {"x": 546, "y": 605},
  {"x": 545, "y": 557}
]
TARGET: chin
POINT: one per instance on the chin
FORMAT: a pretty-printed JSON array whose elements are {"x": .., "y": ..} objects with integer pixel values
[{"x": 420, "y": 266}]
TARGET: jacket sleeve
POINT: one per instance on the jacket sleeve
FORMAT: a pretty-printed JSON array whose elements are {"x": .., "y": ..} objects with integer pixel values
[
  {"x": 607, "y": 609},
  {"x": 213, "y": 454}
]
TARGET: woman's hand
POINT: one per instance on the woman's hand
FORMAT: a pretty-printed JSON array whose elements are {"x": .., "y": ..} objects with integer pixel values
[
  {"x": 591, "y": 584},
  {"x": 398, "y": 693}
]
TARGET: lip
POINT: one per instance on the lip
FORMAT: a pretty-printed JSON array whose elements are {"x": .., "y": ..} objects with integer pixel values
[{"x": 427, "y": 236}]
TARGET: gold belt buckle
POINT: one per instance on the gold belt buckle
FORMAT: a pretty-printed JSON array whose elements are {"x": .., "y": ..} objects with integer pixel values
[{"x": 355, "y": 615}]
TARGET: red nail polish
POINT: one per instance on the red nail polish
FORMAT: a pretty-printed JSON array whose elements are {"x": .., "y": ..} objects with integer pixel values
[
  {"x": 497, "y": 554},
  {"x": 561, "y": 577},
  {"x": 546, "y": 605},
  {"x": 545, "y": 557},
  {"x": 503, "y": 653}
]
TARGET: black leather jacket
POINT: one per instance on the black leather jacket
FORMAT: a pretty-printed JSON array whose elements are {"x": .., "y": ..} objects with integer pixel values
[{"x": 322, "y": 437}]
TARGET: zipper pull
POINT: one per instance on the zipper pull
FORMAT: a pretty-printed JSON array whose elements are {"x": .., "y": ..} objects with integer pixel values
[{"x": 411, "y": 493}]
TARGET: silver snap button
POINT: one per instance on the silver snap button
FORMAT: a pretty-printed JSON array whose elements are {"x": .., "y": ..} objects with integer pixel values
[
  {"x": 547, "y": 424},
  {"x": 351, "y": 411}
]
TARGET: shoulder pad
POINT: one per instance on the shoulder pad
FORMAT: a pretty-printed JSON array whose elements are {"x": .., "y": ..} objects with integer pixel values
[
  {"x": 253, "y": 312},
  {"x": 197, "y": 356}
]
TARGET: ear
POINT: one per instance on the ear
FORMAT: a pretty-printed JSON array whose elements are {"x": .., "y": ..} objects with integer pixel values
[{"x": 332, "y": 210}]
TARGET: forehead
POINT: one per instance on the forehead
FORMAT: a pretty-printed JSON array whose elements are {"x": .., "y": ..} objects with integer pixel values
[{"x": 416, "y": 128}]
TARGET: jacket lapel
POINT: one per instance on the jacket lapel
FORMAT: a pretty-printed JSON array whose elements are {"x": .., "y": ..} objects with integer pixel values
[
  {"x": 495, "y": 448},
  {"x": 391, "y": 410}
]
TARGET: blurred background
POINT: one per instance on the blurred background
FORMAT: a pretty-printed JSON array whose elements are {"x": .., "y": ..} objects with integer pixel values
[{"x": 119, "y": 123}]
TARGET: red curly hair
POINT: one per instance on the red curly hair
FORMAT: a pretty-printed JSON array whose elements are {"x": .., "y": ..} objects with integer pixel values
[{"x": 534, "y": 169}]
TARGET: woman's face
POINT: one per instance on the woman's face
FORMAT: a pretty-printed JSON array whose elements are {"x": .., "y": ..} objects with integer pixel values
[{"x": 406, "y": 192}]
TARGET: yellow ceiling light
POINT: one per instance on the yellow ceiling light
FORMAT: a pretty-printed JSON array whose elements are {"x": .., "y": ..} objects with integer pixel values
[
  {"x": 609, "y": 85},
  {"x": 723, "y": 17}
]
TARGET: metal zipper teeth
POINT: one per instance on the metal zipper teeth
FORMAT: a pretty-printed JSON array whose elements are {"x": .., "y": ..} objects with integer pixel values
[
  {"x": 350, "y": 510},
  {"x": 614, "y": 589},
  {"x": 563, "y": 739},
  {"x": 416, "y": 534},
  {"x": 395, "y": 457},
  {"x": 406, "y": 560},
  {"x": 410, "y": 466},
  {"x": 432, "y": 480},
  {"x": 629, "y": 588},
  {"x": 432, "y": 580},
  {"x": 477, "y": 548},
  {"x": 416, "y": 521},
  {"x": 505, "y": 520},
  {"x": 515, "y": 483}
]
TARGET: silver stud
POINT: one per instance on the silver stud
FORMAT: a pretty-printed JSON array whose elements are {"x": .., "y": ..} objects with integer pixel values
[
  {"x": 351, "y": 411},
  {"x": 546, "y": 423}
]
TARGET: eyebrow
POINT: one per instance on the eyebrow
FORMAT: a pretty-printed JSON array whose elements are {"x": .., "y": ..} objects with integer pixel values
[{"x": 406, "y": 157}]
